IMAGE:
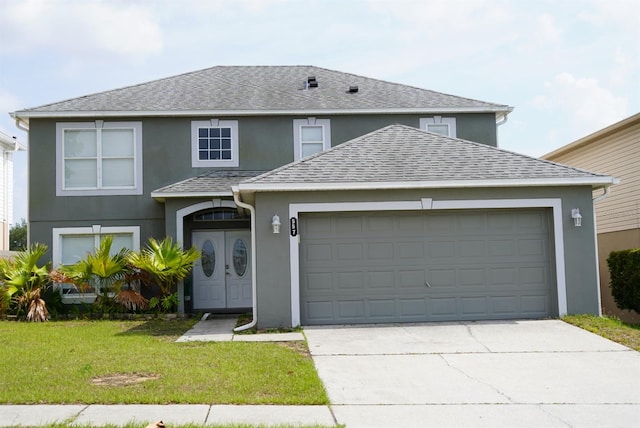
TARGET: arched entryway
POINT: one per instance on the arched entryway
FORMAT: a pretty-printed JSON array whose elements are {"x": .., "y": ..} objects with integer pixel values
[{"x": 221, "y": 278}]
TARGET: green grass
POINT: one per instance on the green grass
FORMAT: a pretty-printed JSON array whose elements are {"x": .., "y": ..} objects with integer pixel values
[
  {"x": 611, "y": 328},
  {"x": 58, "y": 362}
]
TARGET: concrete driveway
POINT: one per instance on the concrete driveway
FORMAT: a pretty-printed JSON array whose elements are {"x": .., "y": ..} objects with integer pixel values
[{"x": 496, "y": 374}]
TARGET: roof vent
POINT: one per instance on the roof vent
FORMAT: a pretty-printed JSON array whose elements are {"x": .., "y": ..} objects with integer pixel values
[
  {"x": 353, "y": 89},
  {"x": 313, "y": 83}
]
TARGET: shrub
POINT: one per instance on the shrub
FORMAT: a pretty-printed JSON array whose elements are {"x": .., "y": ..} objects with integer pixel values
[{"x": 624, "y": 268}]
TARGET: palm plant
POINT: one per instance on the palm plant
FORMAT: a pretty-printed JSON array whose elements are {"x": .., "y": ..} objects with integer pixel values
[
  {"x": 103, "y": 271},
  {"x": 166, "y": 262},
  {"x": 23, "y": 282}
]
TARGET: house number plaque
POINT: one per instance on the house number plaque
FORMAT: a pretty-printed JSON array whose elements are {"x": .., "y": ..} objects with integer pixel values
[{"x": 293, "y": 222}]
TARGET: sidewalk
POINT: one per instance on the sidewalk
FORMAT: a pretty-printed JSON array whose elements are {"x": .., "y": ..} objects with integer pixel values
[{"x": 173, "y": 414}]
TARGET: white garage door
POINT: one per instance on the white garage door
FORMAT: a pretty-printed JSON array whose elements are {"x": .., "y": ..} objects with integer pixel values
[{"x": 426, "y": 266}]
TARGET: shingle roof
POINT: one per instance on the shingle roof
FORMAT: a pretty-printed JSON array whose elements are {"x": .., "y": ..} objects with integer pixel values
[
  {"x": 211, "y": 182},
  {"x": 399, "y": 154},
  {"x": 262, "y": 89}
]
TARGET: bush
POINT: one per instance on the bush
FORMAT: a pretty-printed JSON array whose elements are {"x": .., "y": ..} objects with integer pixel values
[{"x": 624, "y": 268}]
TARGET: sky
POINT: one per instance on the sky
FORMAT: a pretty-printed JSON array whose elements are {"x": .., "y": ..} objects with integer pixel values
[{"x": 568, "y": 67}]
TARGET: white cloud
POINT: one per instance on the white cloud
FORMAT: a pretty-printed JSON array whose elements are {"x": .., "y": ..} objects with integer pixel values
[
  {"x": 588, "y": 105},
  {"x": 89, "y": 28},
  {"x": 547, "y": 29}
]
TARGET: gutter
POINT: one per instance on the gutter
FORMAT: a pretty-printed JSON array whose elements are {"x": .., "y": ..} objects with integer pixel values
[
  {"x": 25, "y": 115},
  {"x": 607, "y": 192},
  {"x": 254, "y": 304}
]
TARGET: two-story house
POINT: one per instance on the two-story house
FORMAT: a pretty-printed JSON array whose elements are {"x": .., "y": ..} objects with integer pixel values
[
  {"x": 8, "y": 146},
  {"x": 316, "y": 196}
]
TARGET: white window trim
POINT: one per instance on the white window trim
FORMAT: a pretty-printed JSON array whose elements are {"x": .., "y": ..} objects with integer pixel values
[
  {"x": 429, "y": 204},
  {"x": 98, "y": 231},
  {"x": 214, "y": 123},
  {"x": 99, "y": 124},
  {"x": 439, "y": 120},
  {"x": 310, "y": 121}
]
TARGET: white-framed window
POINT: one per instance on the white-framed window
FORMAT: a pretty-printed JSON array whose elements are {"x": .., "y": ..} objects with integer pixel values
[
  {"x": 214, "y": 143},
  {"x": 71, "y": 244},
  {"x": 439, "y": 125},
  {"x": 98, "y": 158},
  {"x": 310, "y": 136}
]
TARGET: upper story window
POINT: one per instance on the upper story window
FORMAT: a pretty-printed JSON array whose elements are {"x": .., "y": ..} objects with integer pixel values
[
  {"x": 98, "y": 158},
  {"x": 310, "y": 136},
  {"x": 439, "y": 125},
  {"x": 214, "y": 143}
]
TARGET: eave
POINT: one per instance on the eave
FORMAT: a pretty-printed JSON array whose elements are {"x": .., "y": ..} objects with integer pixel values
[
  {"x": 25, "y": 115},
  {"x": 595, "y": 182},
  {"x": 162, "y": 197}
]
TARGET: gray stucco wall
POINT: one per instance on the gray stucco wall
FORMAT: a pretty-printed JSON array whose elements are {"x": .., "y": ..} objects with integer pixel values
[
  {"x": 265, "y": 143},
  {"x": 273, "y": 263}
]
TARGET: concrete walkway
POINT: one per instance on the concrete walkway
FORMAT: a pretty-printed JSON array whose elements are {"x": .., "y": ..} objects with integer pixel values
[{"x": 212, "y": 328}]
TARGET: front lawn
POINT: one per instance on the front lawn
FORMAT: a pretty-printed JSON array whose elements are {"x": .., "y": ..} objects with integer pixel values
[
  {"x": 611, "y": 328},
  {"x": 127, "y": 362}
]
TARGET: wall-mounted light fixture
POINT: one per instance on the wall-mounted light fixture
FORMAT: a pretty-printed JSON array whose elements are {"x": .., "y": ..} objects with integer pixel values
[
  {"x": 577, "y": 217},
  {"x": 275, "y": 223}
]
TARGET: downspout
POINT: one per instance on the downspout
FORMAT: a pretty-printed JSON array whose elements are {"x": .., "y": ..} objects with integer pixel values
[
  {"x": 19, "y": 125},
  {"x": 607, "y": 191},
  {"x": 499, "y": 123},
  {"x": 252, "y": 210}
]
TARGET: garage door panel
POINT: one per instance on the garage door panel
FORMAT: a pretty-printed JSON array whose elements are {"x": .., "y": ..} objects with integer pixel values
[
  {"x": 349, "y": 251},
  {"x": 475, "y": 277},
  {"x": 381, "y": 279},
  {"x": 500, "y": 247},
  {"x": 383, "y": 308},
  {"x": 505, "y": 305},
  {"x": 441, "y": 249},
  {"x": 534, "y": 305},
  {"x": 319, "y": 312},
  {"x": 380, "y": 251},
  {"x": 412, "y": 308},
  {"x": 352, "y": 310},
  {"x": 426, "y": 266},
  {"x": 411, "y": 279},
  {"x": 410, "y": 250},
  {"x": 531, "y": 247},
  {"x": 473, "y": 306},
  {"x": 349, "y": 280},
  {"x": 319, "y": 281}
]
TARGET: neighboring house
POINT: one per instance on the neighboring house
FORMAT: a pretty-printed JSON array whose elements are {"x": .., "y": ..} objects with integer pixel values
[
  {"x": 614, "y": 150},
  {"x": 8, "y": 145},
  {"x": 316, "y": 197}
]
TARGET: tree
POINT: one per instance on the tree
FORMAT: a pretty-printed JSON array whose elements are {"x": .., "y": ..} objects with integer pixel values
[
  {"x": 101, "y": 270},
  {"x": 18, "y": 236},
  {"x": 23, "y": 281},
  {"x": 167, "y": 263}
]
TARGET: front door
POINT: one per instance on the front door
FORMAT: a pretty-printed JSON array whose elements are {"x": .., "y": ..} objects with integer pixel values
[{"x": 222, "y": 276}]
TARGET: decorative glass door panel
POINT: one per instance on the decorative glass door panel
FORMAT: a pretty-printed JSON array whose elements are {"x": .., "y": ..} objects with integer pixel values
[{"x": 222, "y": 276}]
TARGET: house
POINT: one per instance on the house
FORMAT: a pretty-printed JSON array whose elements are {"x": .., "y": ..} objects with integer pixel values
[
  {"x": 316, "y": 197},
  {"x": 614, "y": 150},
  {"x": 8, "y": 145}
]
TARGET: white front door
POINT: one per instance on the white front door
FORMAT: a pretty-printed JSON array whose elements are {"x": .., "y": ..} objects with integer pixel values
[{"x": 222, "y": 276}]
